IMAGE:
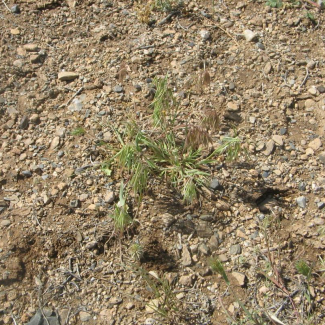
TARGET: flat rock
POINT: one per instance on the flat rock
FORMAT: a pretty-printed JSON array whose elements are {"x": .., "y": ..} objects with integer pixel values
[
  {"x": 278, "y": 140},
  {"x": 301, "y": 201},
  {"x": 268, "y": 68},
  {"x": 67, "y": 75},
  {"x": 186, "y": 256},
  {"x": 315, "y": 144},
  {"x": 31, "y": 47},
  {"x": 249, "y": 35},
  {"x": 235, "y": 249},
  {"x": 240, "y": 278},
  {"x": 84, "y": 316},
  {"x": 269, "y": 148}
]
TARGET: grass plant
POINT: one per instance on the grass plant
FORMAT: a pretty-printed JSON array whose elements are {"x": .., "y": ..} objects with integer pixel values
[
  {"x": 182, "y": 160},
  {"x": 79, "y": 131}
]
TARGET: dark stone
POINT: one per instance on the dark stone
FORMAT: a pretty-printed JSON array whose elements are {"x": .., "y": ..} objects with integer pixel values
[
  {"x": 260, "y": 46},
  {"x": 74, "y": 204},
  {"x": 118, "y": 89},
  {"x": 215, "y": 185},
  {"x": 302, "y": 186},
  {"x": 26, "y": 173},
  {"x": 24, "y": 123},
  {"x": 321, "y": 89},
  {"x": 15, "y": 9},
  {"x": 283, "y": 131}
]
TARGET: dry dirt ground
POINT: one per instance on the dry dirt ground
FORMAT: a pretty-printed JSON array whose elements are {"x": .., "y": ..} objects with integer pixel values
[{"x": 60, "y": 256}]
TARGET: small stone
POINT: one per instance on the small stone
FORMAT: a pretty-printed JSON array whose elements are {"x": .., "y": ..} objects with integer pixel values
[
  {"x": 301, "y": 201},
  {"x": 222, "y": 206},
  {"x": 249, "y": 35},
  {"x": 240, "y": 278},
  {"x": 115, "y": 301},
  {"x": 231, "y": 86},
  {"x": 5, "y": 223},
  {"x": 186, "y": 256},
  {"x": 302, "y": 186},
  {"x": 309, "y": 103},
  {"x": 312, "y": 90},
  {"x": 55, "y": 143},
  {"x": 260, "y": 146},
  {"x": 283, "y": 131},
  {"x": 26, "y": 173},
  {"x": 84, "y": 316},
  {"x": 309, "y": 152},
  {"x": 129, "y": 305},
  {"x": 186, "y": 280},
  {"x": 235, "y": 249},
  {"x": 315, "y": 144},
  {"x": 74, "y": 204},
  {"x": 205, "y": 35},
  {"x": 109, "y": 197},
  {"x": 35, "y": 58},
  {"x": 233, "y": 107},
  {"x": 215, "y": 185},
  {"x": 35, "y": 119},
  {"x": 319, "y": 221},
  {"x": 31, "y": 47},
  {"x": 152, "y": 306},
  {"x": 260, "y": 46},
  {"x": 311, "y": 64},
  {"x": 18, "y": 63},
  {"x": 223, "y": 258},
  {"x": 24, "y": 123},
  {"x": 150, "y": 321},
  {"x": 67, "y": 76},
  {"x": 278, "y": 140},
  {"x": 204, "y": 249},
  {"x": 118, "y": 89},
  {"x": 321, "y": 157},
  {"x": 252, "y": 119},
  {"x": 14, "y": 31},
  {"x": 214, "y": 243},
  {"x": 269, "y": 148},
  {"x": 268, "y": 68},
  {"x": 320, "y": 205},
  {"x": 321, "y": 89},
  {"x": 15, "y": 9}
]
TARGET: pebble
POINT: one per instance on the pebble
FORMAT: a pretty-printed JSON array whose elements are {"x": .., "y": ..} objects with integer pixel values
[
  {"x": 260, "y": 46},
  {"x": 186, "y": 256},
  {"x": 31, "y": 47},
  {"x": 235, "y": 249},
  {"x": 309, "y": 103},
  {"x": 15, "y": 9},
  {"x": 233, "y": 107},
  {"x": 278, "y": 140},
  {"x": 321, "y": 89},
  {"x": 186, "y": 280},
  {"x": 269, "y": 148},
  {"x": 84, "y": 316},
  {"x": 321, "y": 157},
  {"x": 215, "y": 185},
  {"x": 118, "y": 89},
  {"x": 301, "y": 201},
  {"x": 5, "y": 223},
  {"x": 204, "y": 249},
  {"x": 55, "y": 143},
  {"x": 268, "y": 68},
  {"x": 249, "y": 35},
  {"x": 205, "y": 35},
  {"x": 240, "y": 278},
  {"x": 315, "y": 144},
  {"x": 24, "y": 123},
  {"x": 311, "y": 64},
  {"x": 312, "y": 90},
  {"x": 67, "y": 76}
]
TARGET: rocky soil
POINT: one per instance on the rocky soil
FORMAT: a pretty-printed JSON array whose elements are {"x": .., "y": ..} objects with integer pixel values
[{"x": 69, "y": 71}]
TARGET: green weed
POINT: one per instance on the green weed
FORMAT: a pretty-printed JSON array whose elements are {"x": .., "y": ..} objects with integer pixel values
[
  {"x": 120, "y": 215},
  {"x": 303, "y": 268},
  {"x": 78, "y": 131}
]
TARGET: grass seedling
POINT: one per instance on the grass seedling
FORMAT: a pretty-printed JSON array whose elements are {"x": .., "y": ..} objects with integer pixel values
[
  {"x": 303, "y": 268},
  {"x": 136, "y": 251},
  {"x": 165, "y": 303},
  {"x": 79, "y": 131},
  {"x": 120, "y": 216}
]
